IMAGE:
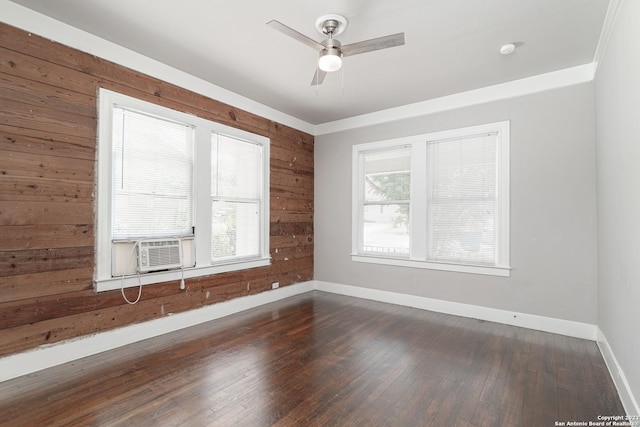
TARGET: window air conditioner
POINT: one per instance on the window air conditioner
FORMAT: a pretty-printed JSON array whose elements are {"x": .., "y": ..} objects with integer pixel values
[{"x": 159, "y": 254}]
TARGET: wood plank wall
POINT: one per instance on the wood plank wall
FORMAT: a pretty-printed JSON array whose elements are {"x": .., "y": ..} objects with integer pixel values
[{"x": 48, "y": 119}]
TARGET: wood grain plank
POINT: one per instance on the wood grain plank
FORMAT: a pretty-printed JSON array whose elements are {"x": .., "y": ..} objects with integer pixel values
[
  {"x": 36, "y": 285},
  {"x": 278, "y": 216},
  {"x": 291, "y": 193},
  {"x": 290, "y": 180},
  {"x": 293, "y": 252},
  {"x": 14, "y": 263},
  {"x": 45, "y": 189},
  {"x": 296, "y": 137},
  {"x": 43, "y": 142},
  {"x": 20, "y": 64},
  {"x": 280, "y": 242},
  {"x": 22, "y": 164},
  {"x": 39, "y": 213},
  {"x": 291, "y": 205},
  {"x": 34, "y": 93},
  {"x": 18, "y": 40},
  {"x": 23, "y": 237},
  {"x": 291, "y": 156},
  {"x": 18, "y": 114},
  {"x": 291, "y": 228},
  {"x": 290, "y": 168}
]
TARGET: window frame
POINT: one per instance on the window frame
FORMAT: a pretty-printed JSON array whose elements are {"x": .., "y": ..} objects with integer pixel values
[
  {"x": 203, "y": 130},
  {"x": 418, "y": 228}
]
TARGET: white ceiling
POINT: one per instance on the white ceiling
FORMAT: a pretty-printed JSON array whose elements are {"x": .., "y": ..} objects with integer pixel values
[{"x": 451, "y": 45}]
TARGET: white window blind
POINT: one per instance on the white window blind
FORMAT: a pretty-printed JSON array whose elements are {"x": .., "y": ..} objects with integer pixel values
[
  {"x": 461, "y": 200},
  {"x": 152, "y": 176},
  {"x": 387, "y": 183},
  {"x": 236, "y": 192}
]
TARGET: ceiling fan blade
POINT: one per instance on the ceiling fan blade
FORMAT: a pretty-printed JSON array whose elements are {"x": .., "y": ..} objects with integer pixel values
[
  {"x": 295, "y": 35},
  {"x": 373, "y": 44},
  {"x": 318, "y": 77}
]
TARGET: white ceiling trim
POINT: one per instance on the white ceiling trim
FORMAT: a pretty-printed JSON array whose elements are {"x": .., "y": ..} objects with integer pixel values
[
  {"x": 42, "y": 25},
  {"x": 542, "y": 82},
  {"x": 605, "y": 34}
]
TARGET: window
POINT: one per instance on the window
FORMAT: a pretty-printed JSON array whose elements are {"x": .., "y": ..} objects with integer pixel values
[
  {"x": 437, "y": 201},
  {"x": 163, "y": 174}
]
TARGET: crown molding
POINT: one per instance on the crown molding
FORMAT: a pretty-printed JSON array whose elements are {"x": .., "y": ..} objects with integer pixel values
[
  {"x": 605, "y": 34},
  {"x": 530, "y": 85}
]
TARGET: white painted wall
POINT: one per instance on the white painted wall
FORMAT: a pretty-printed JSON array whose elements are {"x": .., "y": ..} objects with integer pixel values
[
  {"x": 617, "y": 95},
  {"x": 553, "y": 208}
]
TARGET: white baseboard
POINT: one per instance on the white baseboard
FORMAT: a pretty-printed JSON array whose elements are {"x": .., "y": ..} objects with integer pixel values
[
  {"x": 65, "y": 351},
  {"x": 530, "y": 321},
  {"x": 629, "y": 402}
]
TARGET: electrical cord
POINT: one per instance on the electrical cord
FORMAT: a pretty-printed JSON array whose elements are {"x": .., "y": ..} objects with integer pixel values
[{"x": 139, "y": 279}]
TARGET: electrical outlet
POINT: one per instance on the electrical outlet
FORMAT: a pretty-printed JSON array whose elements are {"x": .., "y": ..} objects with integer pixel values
[{"x": 275, "y": 285}]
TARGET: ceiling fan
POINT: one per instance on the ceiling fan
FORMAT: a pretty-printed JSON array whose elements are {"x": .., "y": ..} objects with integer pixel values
[{"x": 331, "y": 50}]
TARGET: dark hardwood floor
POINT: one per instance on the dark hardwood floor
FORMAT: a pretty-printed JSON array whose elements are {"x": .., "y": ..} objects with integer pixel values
[{"x": 320, "y": 359}]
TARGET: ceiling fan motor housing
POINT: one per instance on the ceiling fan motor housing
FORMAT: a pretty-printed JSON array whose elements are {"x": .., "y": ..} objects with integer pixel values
[
  {"x": 332, "y": 46},
  {"x": 330, "y": 26}
]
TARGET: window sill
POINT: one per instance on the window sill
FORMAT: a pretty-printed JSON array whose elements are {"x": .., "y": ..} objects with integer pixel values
[
  {"x": 114, "y": 283},
  {"x": 460, "y": 268}
]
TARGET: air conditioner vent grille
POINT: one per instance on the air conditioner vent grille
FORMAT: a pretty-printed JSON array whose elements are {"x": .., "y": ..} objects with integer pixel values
[{"x": 157, "y": 254}]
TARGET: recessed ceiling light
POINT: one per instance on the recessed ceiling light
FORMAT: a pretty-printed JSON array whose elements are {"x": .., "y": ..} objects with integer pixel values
[{"x": 508, "y": 49}]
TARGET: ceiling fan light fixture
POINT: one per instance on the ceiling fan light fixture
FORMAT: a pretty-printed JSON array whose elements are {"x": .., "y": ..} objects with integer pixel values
[{"x": 330, "y": 60}]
